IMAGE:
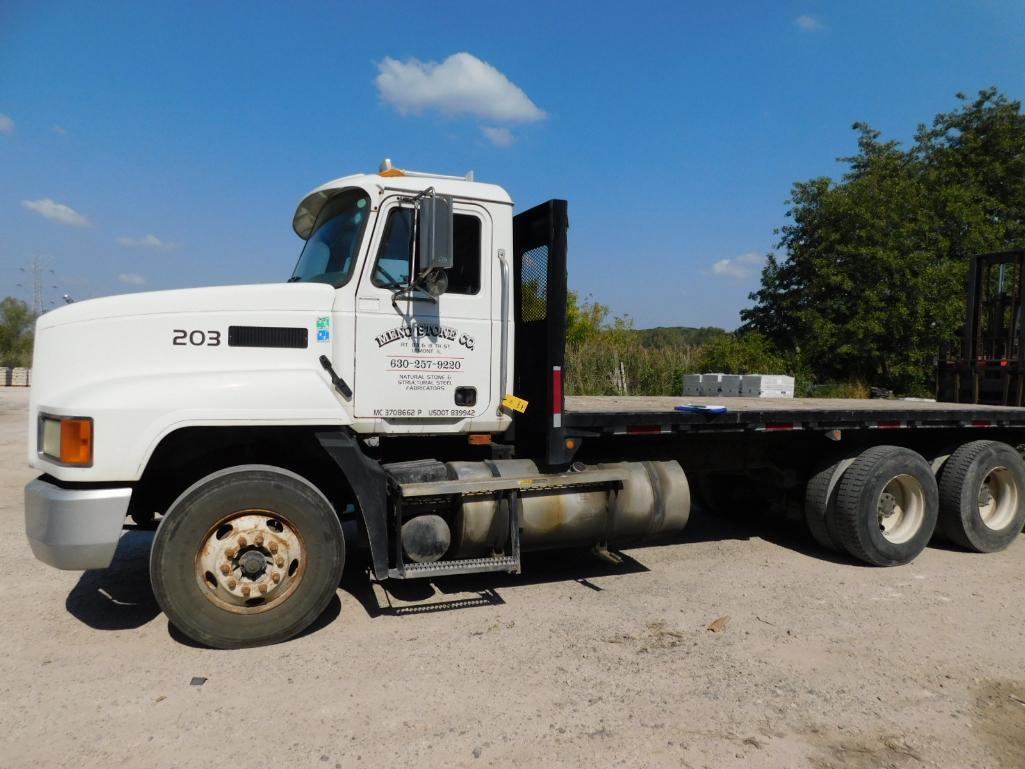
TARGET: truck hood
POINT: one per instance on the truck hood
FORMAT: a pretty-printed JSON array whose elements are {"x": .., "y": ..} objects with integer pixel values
[
  {"x": 143, "y": 365},
  {"x": 270, "y": 297}
]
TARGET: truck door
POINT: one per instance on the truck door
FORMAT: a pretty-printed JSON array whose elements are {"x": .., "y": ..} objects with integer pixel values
[{"x": 417, "y": 357}]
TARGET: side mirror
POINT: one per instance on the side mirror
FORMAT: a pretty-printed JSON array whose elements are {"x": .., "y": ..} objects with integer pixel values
[{"x": 435, "y": 233}]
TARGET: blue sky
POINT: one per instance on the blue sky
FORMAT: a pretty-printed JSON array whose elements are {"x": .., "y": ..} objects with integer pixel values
[{"x": 165, "y": 145}]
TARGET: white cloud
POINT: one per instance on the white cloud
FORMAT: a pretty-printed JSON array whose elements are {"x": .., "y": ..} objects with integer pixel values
[
  {"x": 739, "y": 267},
  {"x": 131, "y": 278},
  {"x": 58, "y": 212},
  {"x": 808, "y": 23},
  {"x": 6, "y": 125},
  {"x": 146, "y": 241},
  {"x": 500, "y": 137},
  {"x": 460, "y": 85}
]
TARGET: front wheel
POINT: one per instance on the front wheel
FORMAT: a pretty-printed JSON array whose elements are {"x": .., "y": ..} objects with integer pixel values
[{"x": 248, "y": 556}]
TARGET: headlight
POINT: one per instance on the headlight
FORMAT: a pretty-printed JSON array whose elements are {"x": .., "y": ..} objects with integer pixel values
[{"x": 68, "y": 440}]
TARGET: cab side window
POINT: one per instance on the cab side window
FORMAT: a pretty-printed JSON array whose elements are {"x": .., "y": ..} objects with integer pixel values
[{"x": 393, "y": 257}]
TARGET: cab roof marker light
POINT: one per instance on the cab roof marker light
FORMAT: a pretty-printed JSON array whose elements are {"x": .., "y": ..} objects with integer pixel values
[{"x": 387, "y": 169}]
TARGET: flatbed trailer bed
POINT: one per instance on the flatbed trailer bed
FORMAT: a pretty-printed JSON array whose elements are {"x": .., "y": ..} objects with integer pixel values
[{"x": 645, "y": 414}]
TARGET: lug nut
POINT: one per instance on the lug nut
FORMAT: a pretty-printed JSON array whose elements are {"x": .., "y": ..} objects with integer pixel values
[
  {"x": 273, "y": 548},
  {"x": 263, "y": 587},
  {"x": 275, "y": 577},
  {"x": 225, "y": 568},
  {"x": 279, "y": 562},
  {"x": 231, "y": 552},
  {"x": 231, "y": 584},
  {"x": 246, "y": 590},
  {"x": 259, "y": 539},
  {"x": 242, "y": 541}
]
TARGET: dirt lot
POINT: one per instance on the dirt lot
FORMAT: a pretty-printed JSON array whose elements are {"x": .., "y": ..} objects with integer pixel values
[{"x": 822, "y": 663}]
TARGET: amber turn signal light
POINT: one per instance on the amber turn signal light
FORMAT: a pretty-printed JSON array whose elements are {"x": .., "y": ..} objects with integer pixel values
[{"x": 77, "y": 441}]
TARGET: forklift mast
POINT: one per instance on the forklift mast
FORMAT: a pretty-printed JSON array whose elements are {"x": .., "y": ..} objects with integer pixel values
[{"x": 989, "y": 369}]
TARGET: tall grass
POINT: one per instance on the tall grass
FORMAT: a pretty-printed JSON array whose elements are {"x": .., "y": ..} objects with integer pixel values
[{"x": 616, "y": 364}]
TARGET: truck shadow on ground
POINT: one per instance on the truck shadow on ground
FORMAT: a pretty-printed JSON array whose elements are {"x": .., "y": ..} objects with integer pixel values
[
  {"x": 772, "y": 526},
  {"x": 397, "y": 598},
  {"x": 119, "y": 597}
]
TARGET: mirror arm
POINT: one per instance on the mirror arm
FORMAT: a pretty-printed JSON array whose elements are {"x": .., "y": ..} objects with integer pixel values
[{"x": 406, "y": 292}]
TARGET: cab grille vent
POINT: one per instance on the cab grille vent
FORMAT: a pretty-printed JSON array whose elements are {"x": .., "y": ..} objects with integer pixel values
[{"x": 267, "y": 336}]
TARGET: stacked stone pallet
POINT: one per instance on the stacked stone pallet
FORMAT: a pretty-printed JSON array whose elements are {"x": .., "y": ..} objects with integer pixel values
[{"x": 15, "y": 377}]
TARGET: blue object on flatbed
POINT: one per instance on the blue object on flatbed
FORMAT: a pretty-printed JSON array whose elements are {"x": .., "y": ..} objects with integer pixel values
[{"x": 701, "y": 409}]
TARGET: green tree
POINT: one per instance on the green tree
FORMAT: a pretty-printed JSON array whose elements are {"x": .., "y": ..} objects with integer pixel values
[
  {"x": 871, "y": 283},
  {"x": 16, "y": 321},
  {"x": 742, "y": 353},
  {"x": 583, "y": 321}
]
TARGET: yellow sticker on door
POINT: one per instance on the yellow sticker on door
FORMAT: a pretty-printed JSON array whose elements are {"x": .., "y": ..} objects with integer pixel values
[{"x": 514, "y": 403}]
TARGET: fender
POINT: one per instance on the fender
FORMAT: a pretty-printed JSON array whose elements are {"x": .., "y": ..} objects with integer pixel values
[{"x": 370, "y": 485}]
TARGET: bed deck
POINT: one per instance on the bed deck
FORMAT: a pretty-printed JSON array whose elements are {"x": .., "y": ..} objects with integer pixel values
[{"x": 637, "y": 414}]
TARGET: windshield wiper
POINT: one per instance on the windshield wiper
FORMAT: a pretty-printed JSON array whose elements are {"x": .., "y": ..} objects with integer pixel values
[{"x": 294, "y": 278}]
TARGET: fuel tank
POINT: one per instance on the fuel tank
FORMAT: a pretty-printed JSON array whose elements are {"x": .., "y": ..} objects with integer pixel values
[{"x": 654, "y": 499}]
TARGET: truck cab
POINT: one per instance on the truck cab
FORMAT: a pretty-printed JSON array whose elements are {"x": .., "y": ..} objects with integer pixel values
[
  {"x": 420, "y": 357},
  {"x": 419, "y": 322}
]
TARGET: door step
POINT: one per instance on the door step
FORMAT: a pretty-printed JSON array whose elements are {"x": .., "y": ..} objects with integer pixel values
[{"x": 465, "y": 566}]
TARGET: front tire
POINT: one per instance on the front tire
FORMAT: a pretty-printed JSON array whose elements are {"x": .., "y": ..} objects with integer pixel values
[
  {"x": 247, "y": 556},
  {"x": 982, "y": 496},
  {"x": 886, "y": 506}
]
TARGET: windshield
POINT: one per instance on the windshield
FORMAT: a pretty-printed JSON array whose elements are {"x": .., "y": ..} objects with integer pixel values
[{"x": 330, "y": 252}]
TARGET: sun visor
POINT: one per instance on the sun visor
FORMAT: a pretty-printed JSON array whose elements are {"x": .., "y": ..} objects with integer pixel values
[
  {"x": 310, "y": 207},
  {"x": 306, "y": 214}
]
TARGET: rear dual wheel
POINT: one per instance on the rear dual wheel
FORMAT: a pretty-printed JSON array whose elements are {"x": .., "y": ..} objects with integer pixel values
[
  {"x": 982, "y": 496},
  {"x": 820, "y": 503},
  {"x": 878, "y": 506},
  {"x": 886, "y": 506}
]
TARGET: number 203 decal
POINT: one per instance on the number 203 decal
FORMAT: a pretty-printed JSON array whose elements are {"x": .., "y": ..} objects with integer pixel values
[{"x": 196, "y": 338}]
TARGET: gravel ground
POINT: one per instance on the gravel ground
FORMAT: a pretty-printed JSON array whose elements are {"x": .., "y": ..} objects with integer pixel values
[{"x": 821, "y": 662}]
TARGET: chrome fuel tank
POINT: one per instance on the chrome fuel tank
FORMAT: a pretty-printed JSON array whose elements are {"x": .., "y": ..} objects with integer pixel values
[{"x": 654, "y": 499}]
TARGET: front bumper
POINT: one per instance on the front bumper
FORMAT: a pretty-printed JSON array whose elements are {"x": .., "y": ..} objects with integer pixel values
[{"x": 74, "y": 528}]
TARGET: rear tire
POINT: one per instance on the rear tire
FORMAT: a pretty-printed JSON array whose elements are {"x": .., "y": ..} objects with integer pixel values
[
  {"x": 820, "y": 504},
  {"x": 982, "y": 496},
  {"x": 247, "y": 556},
  {"x": 886, "y": 506}
]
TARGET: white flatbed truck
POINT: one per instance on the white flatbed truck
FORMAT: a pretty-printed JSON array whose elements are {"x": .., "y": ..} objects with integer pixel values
[{"x": 405, "y": 385}]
